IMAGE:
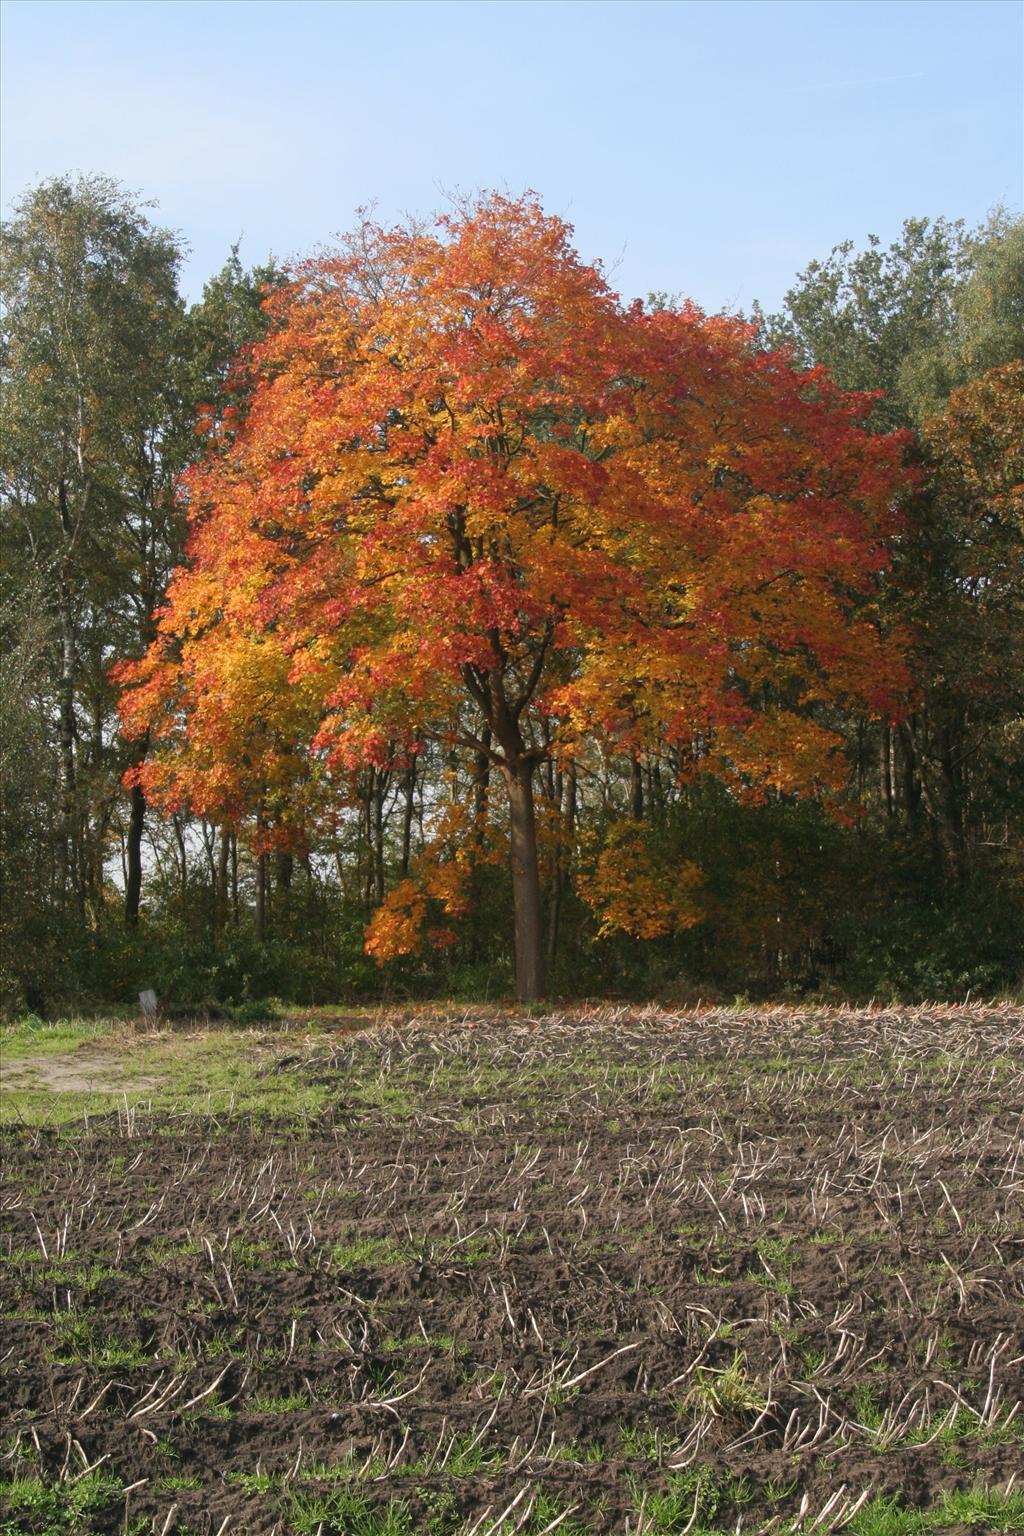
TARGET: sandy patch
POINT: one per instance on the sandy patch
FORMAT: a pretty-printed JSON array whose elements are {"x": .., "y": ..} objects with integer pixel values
[{"x": 84, "y": 1071}]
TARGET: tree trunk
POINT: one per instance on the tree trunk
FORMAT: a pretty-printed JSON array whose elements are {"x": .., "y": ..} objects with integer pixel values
[
  {"x": 68, "y": 739},
  {"x": 886, "y": 770},
  {"x": 481, "y": 785},
  {"x": 564, "y": 856},
  {"x": 261, "y": 898},
  {"x": 636, "y": 789},
  {"x": 952, "y": 807},
  {"x": 364, "y": 858},
  {"x": 407, "y": 814},
  {"x": 209, "y": 835},
  {"x": 220, "y": 904},
  {"x": 942, "y": 804},
  {"x": 529, "y": 937},
  {"x": 911, "y": 777},
  {"x": 179, "y": 837},
  {"x": 133, "y": 853},
  {"x": 378, "y": 792}
]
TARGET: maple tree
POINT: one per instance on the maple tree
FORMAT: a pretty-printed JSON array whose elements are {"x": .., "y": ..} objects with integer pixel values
[{"x": 477, "y": 500}]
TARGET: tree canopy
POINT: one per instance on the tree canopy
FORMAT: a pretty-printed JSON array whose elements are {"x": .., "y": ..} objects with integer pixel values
[{"x": 476, "y": 500}]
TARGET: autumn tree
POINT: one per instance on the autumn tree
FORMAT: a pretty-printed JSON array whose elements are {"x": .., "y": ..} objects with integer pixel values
[{"x": 477, "y": 501}]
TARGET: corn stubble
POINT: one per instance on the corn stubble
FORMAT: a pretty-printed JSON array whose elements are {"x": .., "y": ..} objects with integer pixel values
[{"x": 609, "y": 1270}]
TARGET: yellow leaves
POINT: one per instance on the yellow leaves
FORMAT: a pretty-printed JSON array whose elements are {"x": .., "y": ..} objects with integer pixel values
[
  {"x": 639, "y": 889},
  {"x": 396, "y": 927},
  {"x": 785, "y": 752}
]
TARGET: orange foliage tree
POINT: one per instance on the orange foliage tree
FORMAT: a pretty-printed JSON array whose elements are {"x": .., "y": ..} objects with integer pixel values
[{"x": 477, "y": 499}]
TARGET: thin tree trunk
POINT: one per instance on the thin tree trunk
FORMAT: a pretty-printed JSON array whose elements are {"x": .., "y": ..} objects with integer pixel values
[
  {"x": 133, "y": 854},
  {"x": 220, "y": 904},
  {"x": 943, "y": 808},
  {"x": 481, "y": 785},
  {"x": 179, "y": 838},
  {"x": 209, "y": 833},
  {"x": 407, "y": 814},
  {"x": 379, "y": 791},
  {"x": 365, "y": 851},
  {"x": 636, "y": 789},
  {"x": 561, "y": 879},
  {"x": 654, "y": 794},
  {"x": 480, "y": 933},
  {"x": 886, "y": 770},
  {"x": 529, "y": 938},
  {"x": 261, "y": 898},
  {"x": 68, "y": 739},
  {"x": 952, "y": 807},
  {"x": 911, "y": 776}
]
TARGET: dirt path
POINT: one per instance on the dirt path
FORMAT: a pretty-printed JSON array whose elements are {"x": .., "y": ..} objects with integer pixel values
[{"x": 87, "y": 1070}]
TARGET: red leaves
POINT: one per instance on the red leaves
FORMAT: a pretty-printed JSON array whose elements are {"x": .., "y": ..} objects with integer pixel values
[{"x": 464, "y": 461}]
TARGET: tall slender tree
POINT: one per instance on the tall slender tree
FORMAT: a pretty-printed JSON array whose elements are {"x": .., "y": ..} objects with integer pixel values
[{"x": 90, "y": 333}]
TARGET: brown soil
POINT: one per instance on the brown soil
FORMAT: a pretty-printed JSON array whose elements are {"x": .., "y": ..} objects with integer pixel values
[{"x": 749, "y": 1263}]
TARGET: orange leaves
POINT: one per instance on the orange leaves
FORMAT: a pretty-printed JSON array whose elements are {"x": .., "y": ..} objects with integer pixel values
[
  {"x": 636, "y": 888},
  {"x": 980, "y": 438},
  {"x": 472, "y": 493},
  {"x": 397, "y": 926},
  {"x": 439, "y": 885}
]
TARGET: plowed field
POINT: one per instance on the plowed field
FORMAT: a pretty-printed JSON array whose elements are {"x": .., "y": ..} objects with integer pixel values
[{"x": 608, "y": 1272}]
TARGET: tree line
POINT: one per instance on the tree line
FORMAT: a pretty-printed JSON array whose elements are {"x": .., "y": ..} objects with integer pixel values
[{"x": 423, "y": 617}]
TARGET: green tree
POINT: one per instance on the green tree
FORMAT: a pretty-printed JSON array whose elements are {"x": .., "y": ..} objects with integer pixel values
[
  {"x": 913, "y": 320},
  {"x": 103, "y": 370},
  {"x": 223, "y": 325},
  {"x": 91, "y": 321},
  {"x": 990, "y": 304},
  {"x": 917, "y": 321}
]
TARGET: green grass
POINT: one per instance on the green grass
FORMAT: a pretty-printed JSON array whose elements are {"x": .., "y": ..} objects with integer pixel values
[
  {"x": 76, "y": 1342},
  {"x": 347, "y": 1513},
  {"x": 689, "y": 1500},
  {"x": 256, "y": 1482},
  {"x": 724, "y": 1394},
  {"x": 366, "y": 1252},
  {"x": 213, "y": 1072},
  {"x": 31, "y": 1036},
  {"x": 33, "y": 1508},
  {"x": 1003, "y": 1512},
  {"x": 297, "y": 1403}
]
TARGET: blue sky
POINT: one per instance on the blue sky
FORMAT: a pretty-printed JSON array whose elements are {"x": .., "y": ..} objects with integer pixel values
[{"x": 710, "y": 150}]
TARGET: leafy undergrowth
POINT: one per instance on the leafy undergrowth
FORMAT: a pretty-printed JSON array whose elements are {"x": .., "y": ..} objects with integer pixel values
[{"x": 615, "y": 1271}]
